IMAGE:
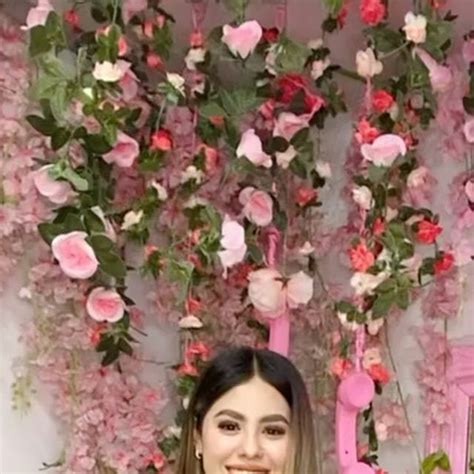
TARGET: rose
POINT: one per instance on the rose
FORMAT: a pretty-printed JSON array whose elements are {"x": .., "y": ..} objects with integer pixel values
[
  {"x": 110, "y": 72},
  {"x": 251, "y": 147},
  {"x": 443, "y": 263},
  {"x": 269, "y": 294},
  {"x": 199, "y": 349},
  {"x": 131, "y": 219},
  {"x": 194, "y": 56},
  {"x": 468, "y": 130},
  {"x": 312, "y": 103},
  {"x": 75, "y": 256},
  {"x": 243, "y": 39},
  {"x": 233, "y": 243},
  {"x": 441, "y": 77},
  {"x": 258, "y": 206},
  {"x": 288, "y": 124},
  {"x": 427, "y": 231},
  {"x": 379, "y": 373},
  {"x": 105, "y": 305},
  {"x": 72, "y": 18},
  {"x": 56, "y": 191},
  {"x": 289, "y": 84},
  {"x": 361, "y": 257},
  {"x": 415, "y": 28},
  {"x": 365, "y": 283},
  {"x": 304, "y": 195},
  {"x": 161, "y": 140},
  {"x": 367, "y": 64},
  {"x": 38, "y": 15},
  {"x": 371, "y": 356},
  {"x": 153, "y": 60},
  {"x": 384, "y": 150},
  {"x": 372, "y": 12},
  {"x": 382, "y": 100},
  {"x": 124, "y": 152},
  {"x": 284, "y": 158},
  {"x": 365, "y": 132},
  {"x": 362, "y": 196},
  {"x": 340, "y": 367}
]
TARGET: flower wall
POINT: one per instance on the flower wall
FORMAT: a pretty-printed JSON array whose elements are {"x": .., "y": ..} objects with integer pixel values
[{"x": 332, "y": 221}]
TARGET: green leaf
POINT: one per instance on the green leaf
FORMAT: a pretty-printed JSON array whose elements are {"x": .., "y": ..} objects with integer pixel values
[
  {"x": 97, "y": 144},
  {"x": 237, "y": 7},
  {"x": 333, "y": 6},
  {"x": 385, "y": 39},
  {"x": 292, "y": 56},
  {"x": 279, "y": 144},
  {"x": 112, "y": 264},
  {"x": 298, "y": 166},
  {"x": 73, "y": 222},
  {"x": 101, "y": 243},
  {"x": 402, "y": 299},
  {"x": 93, "y": 222},
  {"x": 377, "y": 173},
  {"x": 382, "y": 304},
  {"x": 468, "y": 104},
  {"x": 110, "y": 356},
  {"x": 437, "y": 33},
  {"x": 105, "y": 343},
  {"x": 58, "y": 100},
  {"x": 60, "y": 138},
  {"x": 125, "y": 347},
  {"x": 255, "y": 253},
  {"x": 45, "y": 127},
  {"x": 439, "y": 459},
  {"x": 300, "y": 137},
  {"x": 80, "y": 184},
  {"x": 40, "y": 43},
  {"x": 49, "y": 231},
  {"x": 239, "y": 101}
]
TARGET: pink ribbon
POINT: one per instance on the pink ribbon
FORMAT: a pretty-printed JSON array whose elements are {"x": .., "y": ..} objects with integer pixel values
[{"x": 279, "y": 340}]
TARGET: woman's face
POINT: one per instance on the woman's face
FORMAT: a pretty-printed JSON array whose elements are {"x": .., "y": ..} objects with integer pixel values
[{"x": 247, "y": 431}]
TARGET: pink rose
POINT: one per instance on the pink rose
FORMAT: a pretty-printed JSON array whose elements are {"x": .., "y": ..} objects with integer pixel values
[
  {"x": 468, "y": 51},
  {"x": 130, "y": 7},
  {"x": 418, "y": 177},
  {"x": 75, "y": 256},
  {"x": 56, "y": 191},
  {"x": 129, "y": 86},
  {"x": 250, "y": 147},
  {"x": 124, "y": 152},
  {"x": 233, "y": 243},
  {"x": 288, "y": 124},
  {"x": 105, "y": 305},
  {"x": 269, "y": 293},
  {"x": 440, "y": 76},
  {"x": 384, "y": 150},
  {"x": 39, "y": 14},
  {"x": 468, "y": 130},
  {"x": 243, "y": 39},
  {"x": 258, "y": 206}
]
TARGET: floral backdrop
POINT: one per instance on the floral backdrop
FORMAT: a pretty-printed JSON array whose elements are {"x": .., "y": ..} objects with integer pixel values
[{"x": 126, "y": 159}]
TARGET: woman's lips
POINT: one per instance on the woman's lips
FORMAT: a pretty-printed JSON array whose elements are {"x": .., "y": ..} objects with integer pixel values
[{"x": 247, "y": 470}]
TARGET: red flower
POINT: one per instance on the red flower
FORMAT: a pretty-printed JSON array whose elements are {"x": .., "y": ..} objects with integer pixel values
[
  {"x": 305, "y": 195},
  {"x": 161, "y": 140},
  {"x": 427, "y": 231},
  {"x": 340, "y": 367},
  {"x": 158, "y": 460},
  {"x": 186, "y": 368},
  {"x": 122, "y": 46},
  {"x": 196, "y": 39},
  {"x": 361, "y": 257},
  {"x": 378, "y": 227},
  {"x": 379, "y": 373},
  {"x": 270, "y": 35},
  {"x": 153, "y": 60},
  {"x": 289, "y": 84},
  {"x": 341, "y": 16},
  {"x": 443, "y": 263},
  {"x": 71, "y": 16},
  {"x": 192, "y": 305},
  {"x": 198, "y": 349},
  {"x": 313, "y": 102},
  {"x": 365, "y": 132},
  {"x": 267, "y": 108},
  {"x": 238, "y": 275},
  {"x": 372, "y": 12},
  {"x": 382, "y": 100}
]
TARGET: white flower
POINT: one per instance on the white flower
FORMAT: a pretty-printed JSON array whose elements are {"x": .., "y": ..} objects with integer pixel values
[
  {"x": 185, "y": 402},
  {"x": 132, "y": 218},
  {"x": 176, "y": 81},
  {"x": 24, "y": 293},
  {"x": 319, "y": 66},
  {"x": 415, "y": 28},
  {"x": 362, "y": 196},
  {"x": 365, "y": 283},
  {"x": 374, "y": 326},
  {"x": 315, "y": 44},
  {"x": 190, "y": 322},
  {"x": 161, "y": 191},
  {"x": 323, "y": 168},
  {"x": 284, "y": 158},
  {"x": 349, "y": 325},
  {"x": 194, "y": 56},
  {"x": 172, "y": 430},
  {"x": 232, "y": 242},
  {"x": 108, "y": 72},
  {"x": 191, "y": 172},
  {"x": 270, "y": 60},
  {"x": 195, "y": 201},
  {"x": 367, "y": 64}
]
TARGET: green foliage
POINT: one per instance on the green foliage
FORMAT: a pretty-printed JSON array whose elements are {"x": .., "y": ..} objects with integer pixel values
[{"x": 437, "y": 460}]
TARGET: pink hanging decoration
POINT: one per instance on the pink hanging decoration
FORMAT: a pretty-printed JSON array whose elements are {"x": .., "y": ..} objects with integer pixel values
[{"x": 279, "y": 340}]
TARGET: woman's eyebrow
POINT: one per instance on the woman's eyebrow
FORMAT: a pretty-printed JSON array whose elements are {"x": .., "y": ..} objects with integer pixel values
[
  {"x": 274, "y": 418},
  {"x": 232, "y": 414},
  {"x": 266, "y": 419}
]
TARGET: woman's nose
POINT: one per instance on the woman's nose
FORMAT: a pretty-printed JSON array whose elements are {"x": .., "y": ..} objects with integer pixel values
[{"x": 250, "y": 447}]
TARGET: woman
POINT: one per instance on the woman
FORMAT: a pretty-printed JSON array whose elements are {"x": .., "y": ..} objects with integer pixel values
[{"x": 250, "y": 414}]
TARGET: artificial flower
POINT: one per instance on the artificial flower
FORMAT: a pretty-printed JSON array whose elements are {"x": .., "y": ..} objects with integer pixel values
[
  {"x": 319, "y": 66},
  {"x": 105, "y": 305},
  {"x": 288, "y": 124},
  {"x": 366, "y": 283},
  {"x": 177, "y": 81},
  {"x": 56, "y": 191},
  {"x": 110, "y": 72},
  {"x": 258, "y": 206},
  {"x": 323, "y": 168},
  {"x": 194, "y": 56},
  {"x": 443, "y": 263},
  {"x": 305, "y": 195},
  {"x": 365, "y": 132},
  {"x": 251, "y": 147},
  {"x": 232, "y": 242},
  {"x": 441, "y": 77},
  {"x": 361, "y": 257},
  {"x": 415, "y": 28},
  {"x": 284, "y": 158},
  {"x": 362, "y": 196},
  {"x": 367, "y": 64},
  {"x": 38, "y": 15},
  {"x": 131, "y": 219},
  {"x": 190, "y": 322},
  {"x": 372, "y": 12},
  {"x": 427, "y": 231},
  {"x": 384, "y": 150},
  {"x": 242, "y": 40},
  {"x": 124, "y": 152},
  {"x": 382, "y": 100},
  {"x": 192, "y": 173},
  {"x": 161, "y": 140}
]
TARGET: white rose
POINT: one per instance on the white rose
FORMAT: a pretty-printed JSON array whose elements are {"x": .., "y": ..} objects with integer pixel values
[
  {"x": 190, "y": 322},
  {"x": 108, "y": 72},
  {"x": 318, "y": 67},
  {"x": 176, "y": 81},
  {"x": 366, "y": 283},
  {"x": 367, "y": 64},
  {"x": 191, "y": 172},
  {"x": 315, "y": 44},
  {"x": 415, "y": 28},
  {"x": 284, "y": 158},
  {"x": 132, "y": 218},
  {"x": 323, "y": 168},
  {"x": 194, "y": 56},
  {"x": 161, "y": 191},
  {"x": 362, "y": 196}
]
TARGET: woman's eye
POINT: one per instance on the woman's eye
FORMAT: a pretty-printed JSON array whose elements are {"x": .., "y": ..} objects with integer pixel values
[
  {"x": 228, "y": 426},
  {"x": 275, "y": 431}
]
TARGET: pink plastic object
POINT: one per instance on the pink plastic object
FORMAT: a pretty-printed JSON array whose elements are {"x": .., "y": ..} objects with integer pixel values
[
  {"x": 279, "y": 340},
  {"x": 354, "y": 393}
]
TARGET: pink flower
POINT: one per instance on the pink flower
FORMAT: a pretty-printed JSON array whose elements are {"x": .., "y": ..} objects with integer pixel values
[
  {"x": 415, "y": 27},
  {"x": 468, "y": 50},
  {"x": 441, "y": 77},
  {"x": 340, "y": 367},
  {"x": 233, "y": 243},
  {"x": 379, "y": 373},
  {"x": 372, "y": 12},
  {"x": 56, "y": 191},
  {"x": 124, "y": 152},
  {"x": 367, "y": 64},
  {"x": 361, "y": 257},
  {"x": 75, "y": 256},
  {"x": 384, "y": 150},
  {"x": 39, "y": 14},
  {"x": 269, "y": 293},
  {"x": 129, "y": 85},
  {"x": 131, "y": 7},
  {"x": 258, "y": 206},
  {"x": 468, "y": 130},
  {"x": 250, "y": 147},
  {"x": 365, "y": 132},
  {"x": 382, "y": 100},
  {"x": 198, "y": 349},
  {"x": 288, "y": 124},
  {"x": 243, "y": 39},
  {"x": 105, "y": 305},
  {"x": 418, "y": 177}
]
